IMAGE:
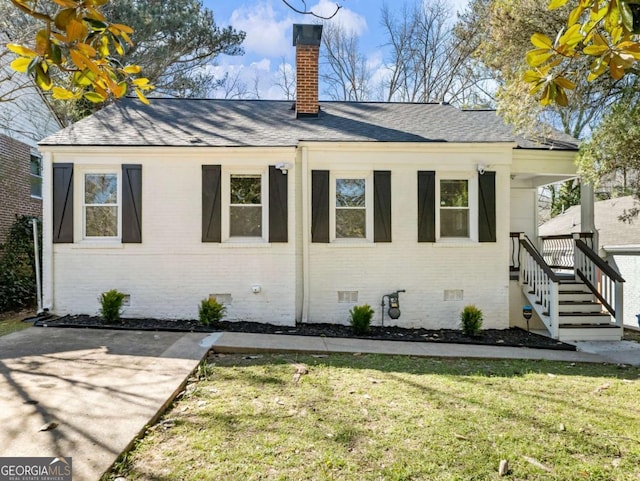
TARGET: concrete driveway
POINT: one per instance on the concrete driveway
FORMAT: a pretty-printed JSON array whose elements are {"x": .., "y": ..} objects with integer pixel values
[{"x": 102, "y": 387}]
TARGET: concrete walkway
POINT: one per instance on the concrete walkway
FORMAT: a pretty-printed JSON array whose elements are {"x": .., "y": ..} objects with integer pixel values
[
  {"x": 102, "y": 387},
  {"x": 243, "y": 342}
]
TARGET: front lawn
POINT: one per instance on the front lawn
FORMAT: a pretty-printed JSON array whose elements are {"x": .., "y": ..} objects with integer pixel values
[{"x": 370, "y": 417}]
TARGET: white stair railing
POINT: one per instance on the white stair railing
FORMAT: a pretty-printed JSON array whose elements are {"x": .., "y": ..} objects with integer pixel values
[{"x": 540, "y": 281}]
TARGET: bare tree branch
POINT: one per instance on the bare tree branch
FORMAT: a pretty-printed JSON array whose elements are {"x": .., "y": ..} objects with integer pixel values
[{"x": 306, "y": 11}]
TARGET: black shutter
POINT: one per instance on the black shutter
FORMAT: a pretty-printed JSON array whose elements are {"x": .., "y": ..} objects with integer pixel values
[
  {"x": 211, "y": 203},
  {"x": 426, "y": 206},
  {"x": 382, "y": 206},
  {"x": 62, "y": 203},
  {"x": 487, "y": 207},
  {"x": 132, "y": 203},
  {"x": 278, "y": 206},
  {"x": 320, "y": 206}
]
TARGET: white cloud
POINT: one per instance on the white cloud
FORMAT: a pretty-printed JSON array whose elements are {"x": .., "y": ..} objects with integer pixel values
[
  {"x": 348, "y": 19},
  {"x": 267, "y": 35}
]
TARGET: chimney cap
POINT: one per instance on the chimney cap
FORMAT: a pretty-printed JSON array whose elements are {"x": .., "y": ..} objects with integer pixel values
[{"x": 304, "y": 34}]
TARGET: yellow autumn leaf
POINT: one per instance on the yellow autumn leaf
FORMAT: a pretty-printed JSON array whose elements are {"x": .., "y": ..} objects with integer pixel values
[
  {"x": 538, "y": 56},
  {"x": 141, "y": 96},
  {"x": 76, "y": 30},
  {"x": 22, "y": 51},
  {"x": 565, "y": 83},
  {"x": 123, "y": 28},
  {"x": 66, "y": 3},
  {"x": 556, "y": 4},
  {"x": 21, "y": 64},
  {"x": 132, "y": 69},
  {"x": 541, "y": 41},
  {"x": 62, "y": 93},
  {"x": 596, "y": 50}
]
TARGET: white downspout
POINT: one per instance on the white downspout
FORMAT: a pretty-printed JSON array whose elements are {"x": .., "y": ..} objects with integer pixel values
[
  {"x": 306, "y": 234},
  {"x": 47, "y": 232}
]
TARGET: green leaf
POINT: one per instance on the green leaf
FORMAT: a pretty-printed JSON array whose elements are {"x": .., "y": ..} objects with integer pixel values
[
  {"x": 627, "y": 16},
  {"x": 94, "y": 97},
  {"x": 42, "y": 78},
  {"x": 56, "y": 54}
]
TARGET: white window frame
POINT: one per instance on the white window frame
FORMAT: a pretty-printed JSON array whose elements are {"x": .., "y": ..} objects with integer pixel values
[
  {"x": 472, "y": 184},
  {"x": 32, "y": 175},
  {"x": 226, "y": 205},
  {"x": 368, "y": 195},
  {"x": 82, "y": 172}
]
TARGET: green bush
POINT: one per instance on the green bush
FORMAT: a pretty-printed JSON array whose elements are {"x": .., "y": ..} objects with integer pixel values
[
  {"x": 471, "y": 320},
  {"x": 361, "y": 318},
  {"x": 211, "y": 312},
  {"x": 17, "y": 265},
  {"x": 111, "y": 305}
]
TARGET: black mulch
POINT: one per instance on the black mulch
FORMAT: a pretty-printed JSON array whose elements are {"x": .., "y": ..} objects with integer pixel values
[{"x": 497, "y": 337}]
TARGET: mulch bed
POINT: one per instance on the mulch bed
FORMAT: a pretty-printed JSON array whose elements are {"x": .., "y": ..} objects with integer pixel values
[{"x": 495, "y": 337}]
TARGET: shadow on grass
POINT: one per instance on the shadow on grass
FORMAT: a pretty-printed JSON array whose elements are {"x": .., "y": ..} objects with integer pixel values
[{"x": 503, "y": 368}]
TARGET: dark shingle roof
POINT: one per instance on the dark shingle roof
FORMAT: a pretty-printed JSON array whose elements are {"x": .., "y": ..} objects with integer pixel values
[
  {"x": 272, "y": 123},
  {"x": 553, "y": 139}
]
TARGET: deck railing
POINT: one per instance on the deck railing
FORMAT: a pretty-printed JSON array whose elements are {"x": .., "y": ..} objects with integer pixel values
[
  {"x": 558, "y": 250},
  {"x": 540, "y": 282},
  {"x": 601, "y": 278}
]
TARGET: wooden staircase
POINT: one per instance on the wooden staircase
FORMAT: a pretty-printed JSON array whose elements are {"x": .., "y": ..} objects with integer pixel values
[
  {"x": 581, "y": 317},
  {"x": 578, "y": 305}
]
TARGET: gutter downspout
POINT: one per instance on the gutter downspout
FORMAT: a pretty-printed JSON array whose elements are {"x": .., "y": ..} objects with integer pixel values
[
  {"x": 306, "y": 230},
  {"x": 47, "y": 232}
]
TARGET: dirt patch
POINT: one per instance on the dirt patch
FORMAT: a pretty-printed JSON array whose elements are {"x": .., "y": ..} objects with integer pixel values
[{"x": 495, "y": 337}]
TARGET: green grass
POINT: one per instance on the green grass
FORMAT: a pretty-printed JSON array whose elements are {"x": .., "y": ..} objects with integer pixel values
[
  {"x": 12, "y": 322},
  {"x": 375, "y": 417}
]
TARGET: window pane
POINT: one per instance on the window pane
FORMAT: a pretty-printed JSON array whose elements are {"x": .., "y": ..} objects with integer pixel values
[
  {"x": 351, "y": 223},
  {"x": 246, "y": 189},
  {"x": 101, "y": 189},
  {"x": 350, "y": 192},
  {"x": 36, "y": 186},
  {"x": 454, "y": 193},
  {"x": 101, "y": 221},
  {"x": 35, "y": 165},
  {"x": 245, "y": 221},
  {"x": 454, "y": 223}
]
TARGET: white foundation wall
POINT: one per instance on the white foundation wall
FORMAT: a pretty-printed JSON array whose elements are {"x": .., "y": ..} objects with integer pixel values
[
  {"x": 172, "y": 270},
  {"x": 424, "y": 270}
]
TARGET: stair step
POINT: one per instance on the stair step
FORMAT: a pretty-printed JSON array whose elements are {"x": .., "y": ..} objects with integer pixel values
[
  {"x": 588, "y": 318},
  {"x": 573, "y": 287},
  {"x": 590, "y": 333},
  {"x": 583, "y": 307},
  {"x": 576, "y": 296}
]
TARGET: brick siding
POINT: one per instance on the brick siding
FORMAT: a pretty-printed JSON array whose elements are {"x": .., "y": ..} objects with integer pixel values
[{"x": 15, "y": 184}]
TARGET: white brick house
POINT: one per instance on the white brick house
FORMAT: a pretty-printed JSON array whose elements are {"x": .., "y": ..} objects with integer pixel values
[{"x": 291, "y": 213}]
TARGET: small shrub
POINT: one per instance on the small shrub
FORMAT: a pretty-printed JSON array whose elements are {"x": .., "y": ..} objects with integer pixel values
[
  {"x": 471, "y": 320},
  {"x": 361, "y": 318},
  {"x": 211, "y": 312},
  {"x": 111, "y": 305}
]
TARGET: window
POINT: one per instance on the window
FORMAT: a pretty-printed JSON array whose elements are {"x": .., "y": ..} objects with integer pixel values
[
  {"x": 351, "y": 209},
  {"x": 100, "y": 207},
  {"x": 245, "y": 206},
  {"x": 36, "y": 176},
  {"x": 454, "y": 208}
]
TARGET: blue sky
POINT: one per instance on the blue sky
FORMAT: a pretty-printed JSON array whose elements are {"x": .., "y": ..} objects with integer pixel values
[{"x": 268, "y": 25}]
